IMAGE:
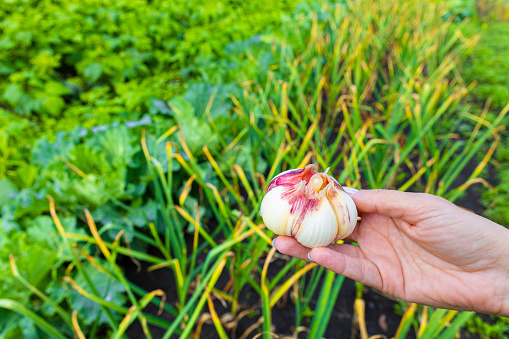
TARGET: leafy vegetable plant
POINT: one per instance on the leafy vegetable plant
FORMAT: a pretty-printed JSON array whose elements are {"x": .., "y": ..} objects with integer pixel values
[{"x": 370, "y": 89}]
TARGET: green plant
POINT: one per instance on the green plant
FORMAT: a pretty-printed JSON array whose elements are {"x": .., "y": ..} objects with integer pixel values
[
  {"x": 306, "y": 110},
  {"x": 431, "y": 323},
  {"x": 495, "y": 327},
  {"x": 66, "y": 64},
  {"x": 460, "y": 10},
  {"x": 367, "y": 88},
  {"x": 488, "y": 63},
  {"x": 495, "y": 198},
  {"x": 67, "y": 51}
]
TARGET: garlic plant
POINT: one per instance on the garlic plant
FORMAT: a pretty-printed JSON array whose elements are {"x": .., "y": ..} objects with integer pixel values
[{"x": 312, "y": 207}]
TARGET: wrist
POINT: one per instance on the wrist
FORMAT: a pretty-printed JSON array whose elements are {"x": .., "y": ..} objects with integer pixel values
[
  {"x": 502, "y": 266},
  {"x": 489, "y": 242},
  {"x": 503, "y": 308}
]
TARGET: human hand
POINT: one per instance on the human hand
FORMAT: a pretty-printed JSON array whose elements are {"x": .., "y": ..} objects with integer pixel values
[{"x": 420, "y": 248}]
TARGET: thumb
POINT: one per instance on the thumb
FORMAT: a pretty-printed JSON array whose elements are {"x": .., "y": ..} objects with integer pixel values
[{"x": 410, "y": 206}]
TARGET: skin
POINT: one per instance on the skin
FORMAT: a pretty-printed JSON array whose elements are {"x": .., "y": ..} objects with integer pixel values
[{"x": 420, "y": 248}]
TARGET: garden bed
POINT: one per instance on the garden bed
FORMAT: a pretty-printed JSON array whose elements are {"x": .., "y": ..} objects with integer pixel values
[
  {"x": 175, "y": 146},
  {"x": 381, "y": 311}
]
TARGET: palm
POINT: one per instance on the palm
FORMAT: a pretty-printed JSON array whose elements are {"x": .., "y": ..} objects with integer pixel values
[{"x": 412, "y": 263}]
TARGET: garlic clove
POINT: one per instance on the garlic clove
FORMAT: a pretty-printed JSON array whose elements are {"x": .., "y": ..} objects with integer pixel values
[
  {"x": 344, "y": 209},
  {"x": 318, "y": 227},
  {"x": 352, "y": 210},
  {"x": 275, "y": 210}
]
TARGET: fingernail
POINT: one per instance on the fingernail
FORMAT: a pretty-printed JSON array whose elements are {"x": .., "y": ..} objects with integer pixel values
[
  {"x": 274, "y": 243},
  {"x": 309, "y": 257},
  {"x": 350, "y": 190}
]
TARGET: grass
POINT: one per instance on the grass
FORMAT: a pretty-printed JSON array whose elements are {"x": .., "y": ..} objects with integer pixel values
[{"x": 369, "y": 89}]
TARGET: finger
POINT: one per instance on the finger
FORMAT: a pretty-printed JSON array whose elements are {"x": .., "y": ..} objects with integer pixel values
[
  {"x": 356, "y": 268},
  {"x": 346, "y": 249},
  {"x": 397, "y": 204},
  {"x": 290, "y": 246}
]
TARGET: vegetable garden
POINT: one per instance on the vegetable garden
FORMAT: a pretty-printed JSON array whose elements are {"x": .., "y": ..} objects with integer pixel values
[{"x": 137, "y": 139}]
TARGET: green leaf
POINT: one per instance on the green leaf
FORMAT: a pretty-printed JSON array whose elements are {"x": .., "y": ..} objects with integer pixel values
[
  {"x": 117, "y": 145},
  {"x": 196, "y": 131},
  {"x": 45, "y": 152},
  {"x": 109, "y": 290},
  {"x": 58, "y": 293},
  {"x": 159, "y": 106},
  {"x": 14, "y": 332},
  {"x": 159, "y": 152},
  {"x": 56, "y": 88},
  {"x": 181, "y": 106},
  {"x": 93, "y": 72},
  {"x": 24, "y": 37},
  {"x": 30, "y": 319},
  {"x": 42, "y": 229},
  {"x": 27, "y": 248},
  {"x": 6, "y": 68},
  {"x": 141, "y": 215},
  {"x": 12, "y": 94},
  {"x": 26, "y": 175},
  {"x": 6, "y": 187},
  {"x": 53, "y": 105},
  {"x": 8, "y": 319},
  {"x": 199, "y": 95}
]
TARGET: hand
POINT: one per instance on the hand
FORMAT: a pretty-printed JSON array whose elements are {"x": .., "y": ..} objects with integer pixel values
[{"x": 420, "y": 248}]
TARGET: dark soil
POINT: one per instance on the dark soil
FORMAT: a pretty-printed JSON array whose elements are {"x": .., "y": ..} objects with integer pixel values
[{"x": 379, "y": 310}]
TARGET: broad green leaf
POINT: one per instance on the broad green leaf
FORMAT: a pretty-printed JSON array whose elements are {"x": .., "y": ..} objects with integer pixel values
[
  {"x": 56, "y": 88},
  {"x": 53, "y": 105},
  {"x": 108, "y": 289},
  {"x": 26, "y": 175},
  {"x": 181, "y": 106},
  {"x": 118, "y": 145},
  {"x": 6, "y": 187},
  {"x": 27, "y": 253},
  {"x": 197, "y": 133},
  {"x": 159, "y": 106},
  {"x": 142, "y": 215},
  {"x": 6, "y": 68},
  {"x": 13, "y": 94},
  {"x": 199, "y": 95},
  {"x": 93, "y": 72}
]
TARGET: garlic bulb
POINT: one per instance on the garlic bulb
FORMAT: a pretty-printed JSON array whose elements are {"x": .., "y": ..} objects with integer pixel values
[{"x": 312, "y": 207}]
